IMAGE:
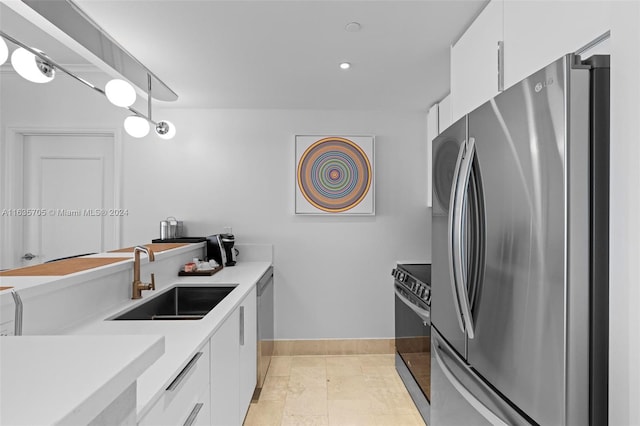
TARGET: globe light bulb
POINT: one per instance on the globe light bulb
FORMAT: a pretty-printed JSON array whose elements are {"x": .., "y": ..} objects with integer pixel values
[
  {"x": 166, "y": 129},
  {"x": 120, "y": 93},
  {"x": 136, "y": 126},
  {"x": 31, "y": 67}
]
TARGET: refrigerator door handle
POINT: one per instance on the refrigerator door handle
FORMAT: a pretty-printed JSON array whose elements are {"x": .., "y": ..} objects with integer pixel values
[
  {"x": 450, "y": 237},
  {"x": 444, "y": 357},
  {"x": 459, "y": 230}
]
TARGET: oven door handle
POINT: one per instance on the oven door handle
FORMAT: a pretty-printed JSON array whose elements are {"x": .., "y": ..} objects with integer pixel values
[{"x": 422, "y": 313}]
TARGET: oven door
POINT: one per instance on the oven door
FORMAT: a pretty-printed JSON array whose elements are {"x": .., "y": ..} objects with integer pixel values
[{"x": 413, "y": 345}]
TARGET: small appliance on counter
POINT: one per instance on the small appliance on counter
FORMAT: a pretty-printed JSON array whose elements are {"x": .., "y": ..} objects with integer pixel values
[
  {"x": 170, "y": 228},
  {"x": 228, "y": 241},
  {"x": 220, "y": 248}
]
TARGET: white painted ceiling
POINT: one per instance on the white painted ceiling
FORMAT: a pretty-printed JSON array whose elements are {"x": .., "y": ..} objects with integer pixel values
[{"x": 285, "y": 54}]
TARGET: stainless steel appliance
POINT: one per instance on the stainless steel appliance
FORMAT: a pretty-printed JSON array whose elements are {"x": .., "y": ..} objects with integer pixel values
[
  {"x": 520, "y": 254},
  {"x": 265, "y": 328},
  {"x": 412, "y": 327},
  {"x": 170, "y": 228}
]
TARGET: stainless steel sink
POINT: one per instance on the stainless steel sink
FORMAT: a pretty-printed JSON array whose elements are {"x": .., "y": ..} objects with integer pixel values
[{"x": 178, "y": 303}]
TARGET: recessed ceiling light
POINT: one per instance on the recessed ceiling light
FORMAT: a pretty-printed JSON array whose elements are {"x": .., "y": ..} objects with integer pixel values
[
  {"x": 353, "y": 27},
  {"x": 345, "y": 65}
]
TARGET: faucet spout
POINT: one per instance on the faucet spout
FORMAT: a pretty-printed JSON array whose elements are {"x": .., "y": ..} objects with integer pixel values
[{"x": 137, "y": 285}]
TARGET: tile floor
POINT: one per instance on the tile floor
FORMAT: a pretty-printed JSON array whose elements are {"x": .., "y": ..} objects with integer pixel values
[{"x": 333, "y": 390}]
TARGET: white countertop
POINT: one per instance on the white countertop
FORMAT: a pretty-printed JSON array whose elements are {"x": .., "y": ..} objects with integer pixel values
[
  {"x": 182, "y": 338},
  {"x": 68, "y": 379}
]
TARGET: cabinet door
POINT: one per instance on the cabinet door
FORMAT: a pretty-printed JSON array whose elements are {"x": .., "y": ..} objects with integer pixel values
[
  {"x": 432, "y": 132},
  {"x": 537, "y": 33},
  {"x": 474, "y": 62},
  {"x": 225, "y": 370},
  {"x": 444, "y": 113},
  {"x": 248, "y": 350}
]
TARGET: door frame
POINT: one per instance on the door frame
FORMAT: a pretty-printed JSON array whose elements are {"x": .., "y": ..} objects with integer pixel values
[{"x": 12, "y": 182}]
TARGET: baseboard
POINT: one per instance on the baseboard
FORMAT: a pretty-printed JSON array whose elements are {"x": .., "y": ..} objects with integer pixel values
[{"x": 334, "y": 347}]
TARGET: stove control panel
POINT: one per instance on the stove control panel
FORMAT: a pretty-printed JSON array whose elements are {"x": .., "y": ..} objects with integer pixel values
[{"x": 413, "y": 285}]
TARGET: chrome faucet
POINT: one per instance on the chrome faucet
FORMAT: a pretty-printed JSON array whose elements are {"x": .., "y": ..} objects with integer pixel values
[{"x": 137, "y": 285}]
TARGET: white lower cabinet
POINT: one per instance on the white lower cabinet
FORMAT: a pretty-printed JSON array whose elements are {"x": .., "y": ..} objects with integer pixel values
[
  {"x": 186, "y": 401},
  {"x": 216, "y": 386},
  {"x": 234, "y": 364}
]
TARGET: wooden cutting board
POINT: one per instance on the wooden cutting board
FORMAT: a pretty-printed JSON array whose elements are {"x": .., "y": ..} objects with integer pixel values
[
  {"x": 63, "y": 267},
  {"x": 155, "y": 247},
  {"x": 5, "y": 288}
]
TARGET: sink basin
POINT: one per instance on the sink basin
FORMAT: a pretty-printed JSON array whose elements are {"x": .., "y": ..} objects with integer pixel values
[{"x": 178, "y": 303}]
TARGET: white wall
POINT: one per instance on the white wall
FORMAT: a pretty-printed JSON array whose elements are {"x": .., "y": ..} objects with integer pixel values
[
  {"x": 236, "y": 168},
  {"x": 624, "y": 374}
]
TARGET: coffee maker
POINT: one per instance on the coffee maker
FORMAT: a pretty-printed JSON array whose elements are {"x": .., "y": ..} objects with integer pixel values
[
  {"x": 220, "y": 248},
  {"x": 228, "y": 241}
]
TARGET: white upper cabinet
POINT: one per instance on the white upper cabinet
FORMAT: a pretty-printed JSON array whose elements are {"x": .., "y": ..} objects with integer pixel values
[
  {"x": 474, "y": 62},
  {"x": 444, "y": 113},
  {"x": 537, "y": 33},
  {"x": 432, "y": 131}
]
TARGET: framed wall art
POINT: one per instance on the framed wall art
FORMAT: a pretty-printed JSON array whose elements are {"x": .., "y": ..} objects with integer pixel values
[{"x": 334, "y": 175}]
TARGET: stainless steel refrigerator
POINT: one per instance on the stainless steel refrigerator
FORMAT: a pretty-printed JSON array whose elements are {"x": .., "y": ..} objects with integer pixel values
[{"x": 520, "y": 254}]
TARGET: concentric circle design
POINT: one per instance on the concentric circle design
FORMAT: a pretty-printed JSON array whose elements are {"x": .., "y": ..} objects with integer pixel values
[{"x": 334, "y": 174}]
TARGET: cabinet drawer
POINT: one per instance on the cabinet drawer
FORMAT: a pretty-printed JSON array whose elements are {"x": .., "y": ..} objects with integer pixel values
[{"x": 180, "y": 399}]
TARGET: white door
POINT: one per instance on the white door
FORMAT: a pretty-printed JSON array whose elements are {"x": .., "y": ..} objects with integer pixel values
[{"x": 68, "y": 185}]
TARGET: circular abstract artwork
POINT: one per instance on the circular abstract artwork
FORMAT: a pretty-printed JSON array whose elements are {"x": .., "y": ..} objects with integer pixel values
[{"x": 334, "y": 174}]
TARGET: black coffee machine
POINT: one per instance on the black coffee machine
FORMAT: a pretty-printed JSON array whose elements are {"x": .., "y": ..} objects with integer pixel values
[{"x": 220, "y": 248}]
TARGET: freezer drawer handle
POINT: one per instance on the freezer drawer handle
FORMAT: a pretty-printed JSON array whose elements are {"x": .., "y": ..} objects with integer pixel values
[
  {"x": 439, "y": 352},
  {"x": 422, "y": 313}
]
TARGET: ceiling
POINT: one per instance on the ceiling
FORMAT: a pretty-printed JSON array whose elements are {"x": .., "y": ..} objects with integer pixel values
[{"x": 285, "y": 54}]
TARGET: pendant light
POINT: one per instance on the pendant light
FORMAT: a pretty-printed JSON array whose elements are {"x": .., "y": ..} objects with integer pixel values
[
  {"x": 120, "y": 93},
  {"x": 136, "y": 126},
  {"x": 31, "y": 67},
  {"x": 4, "y": 51},
  {"x": 165, "y": 129}
]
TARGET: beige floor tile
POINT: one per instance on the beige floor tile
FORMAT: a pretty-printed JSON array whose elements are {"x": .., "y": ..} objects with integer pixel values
[
  {"x": 381, "y": 370},
  {"x": 388, "y": 381},
  {"x": 346, "y": 387},
  {"x": 305, "y": 421},
  {"x": 359, "y": 390},
  {"x": 398, "y": 420},
  {"x": 303, "y": 378},
  {"x": 275, "y": 388},
  {"x": 308, "y": 402},
  {"x": 343, "y": 366},
  {"x": 308, "y": 361},
  {"x": 391, "y": 401},
  {"x": 280, "y": 366},
  {"x": 265, "y": 413},
  {"x": 382, "y": 360},
  {"x": 354, "y": 412}
]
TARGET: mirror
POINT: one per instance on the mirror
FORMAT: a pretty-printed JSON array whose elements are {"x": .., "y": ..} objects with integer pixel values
[{"x": 60, "y": 146}]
